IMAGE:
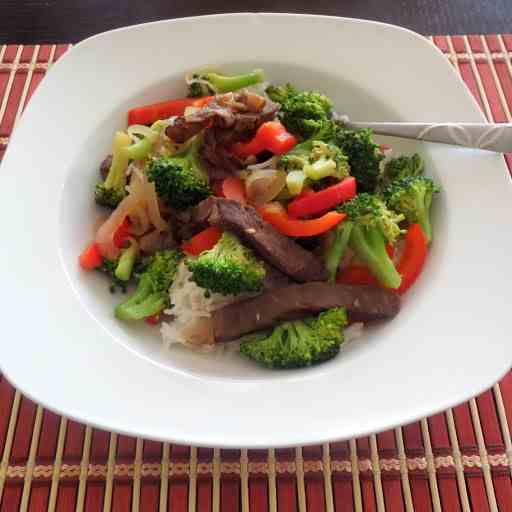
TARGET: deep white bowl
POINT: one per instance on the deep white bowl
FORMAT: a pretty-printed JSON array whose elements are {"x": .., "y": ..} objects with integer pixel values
[{"x": 61, "y": 344}]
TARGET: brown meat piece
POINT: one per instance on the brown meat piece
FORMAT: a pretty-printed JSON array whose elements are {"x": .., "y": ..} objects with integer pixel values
[
  {"x": 181, "y": 130},
  {"x": 105, "y": 166},
  {"x": 274, "y": 278},
  {"x": 217, "y": 157},
  {"x": 363, "y": 303},
  {"x": 277, "y": 249},
  {"x": 229, "y": 118},
  {"x": 238, "y": 111}
]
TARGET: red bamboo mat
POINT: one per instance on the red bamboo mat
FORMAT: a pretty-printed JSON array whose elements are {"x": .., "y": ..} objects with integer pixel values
[{"x": 458, "y": 460}]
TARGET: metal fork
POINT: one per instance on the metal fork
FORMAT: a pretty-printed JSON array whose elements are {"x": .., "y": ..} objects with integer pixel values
[{"x": 492, "y": 137}]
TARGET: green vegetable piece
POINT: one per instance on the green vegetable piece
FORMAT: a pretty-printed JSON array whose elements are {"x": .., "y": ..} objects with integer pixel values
[
  {"x": 400, "y": 168},
  {"x": 338, "y": 248},
  {"x": 108, "y": 267},
  {"x": 364, "y": 156},
  {"x": 303, "y": 113},
  {"x": 299, "y": 343},
  {"x": 152, "y": 293},
  {"x": 205, "y": 84},
  {"x": 126, "y": 263},
  {"x": 295, "y": 182},
  {"x": 373, "y": 227},
  {"x": 229, "y": 268},
  {"x": 412, "y": 197},
  {"x": 113, "y": 190},
  {"x": 159, "y": 125},
  {"x": 181, "y": 180},
  {"x": 138, "y": 150},
  {"x": 317, "y": 160},
  {"x": 281, "y": 93}
]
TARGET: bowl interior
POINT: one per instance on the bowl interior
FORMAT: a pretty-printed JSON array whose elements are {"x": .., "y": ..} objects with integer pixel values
[{"x": 79, "y": 216}]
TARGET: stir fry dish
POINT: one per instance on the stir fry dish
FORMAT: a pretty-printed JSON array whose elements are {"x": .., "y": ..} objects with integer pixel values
[{"x": 248, "y": 213}]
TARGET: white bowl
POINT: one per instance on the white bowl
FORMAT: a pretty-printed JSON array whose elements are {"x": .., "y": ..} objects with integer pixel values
[{"x": 61, "y": 344}]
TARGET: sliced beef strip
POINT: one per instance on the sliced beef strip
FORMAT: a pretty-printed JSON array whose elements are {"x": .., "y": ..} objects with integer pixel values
[
  {"x": 238, "y": 111},
  {"x": 363, "y": 303},
  {"x": 229, "y": 118},
  {"x": 219, "y": 160},
  {"x": 181, "y": 130},
  {"x": 274, "y": 278},
  {"x": 277, "y": 249}
]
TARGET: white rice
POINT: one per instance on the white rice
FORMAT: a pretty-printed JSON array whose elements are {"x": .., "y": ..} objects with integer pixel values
[
  {"x": 353, "y": 332},
  {"x": 189, "y": 304}
]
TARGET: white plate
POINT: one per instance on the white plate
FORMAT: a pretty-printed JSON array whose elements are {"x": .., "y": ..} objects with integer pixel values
[{"x": 60, "y": 342}]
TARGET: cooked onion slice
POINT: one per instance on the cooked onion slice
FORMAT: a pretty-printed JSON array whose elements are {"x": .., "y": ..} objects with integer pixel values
[
  {"x": 263, "y": 185},
  {"x": 141, "y": 206}
]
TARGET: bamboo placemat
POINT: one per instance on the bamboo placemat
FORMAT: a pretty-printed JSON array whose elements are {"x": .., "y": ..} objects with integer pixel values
[{"x": 458, "y": 460}]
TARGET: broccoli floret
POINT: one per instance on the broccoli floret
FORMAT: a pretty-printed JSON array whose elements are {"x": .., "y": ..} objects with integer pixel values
[
  {"x": 303, "y": 113},
  {"x": 400, "y": 168},
  {"x": 299, "y": 343},
  {"x": 229, "y": 268},
  {"x": 364, "y": 156},
  {"x": 181, "y": 180},
  {"x": 412, "y": 197},
  {"x": 317, "y": 160},
  {"x": 204, "y": 84},
  {"x": 281, "y": 93},
  {"x": 112, "y": 191},
  {"x": 337, "y": 249},
  {"x": 326, "y": 160},
  {"x": 152, "y": 293},
  {"x": 374, "y": 226}
]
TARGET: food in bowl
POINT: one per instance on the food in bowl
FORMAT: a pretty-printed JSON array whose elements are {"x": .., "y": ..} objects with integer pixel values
[{"x": 248, "y": 212}]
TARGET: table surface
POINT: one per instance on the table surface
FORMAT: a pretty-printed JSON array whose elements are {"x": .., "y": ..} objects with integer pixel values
[{"x": 39, "y": 21}]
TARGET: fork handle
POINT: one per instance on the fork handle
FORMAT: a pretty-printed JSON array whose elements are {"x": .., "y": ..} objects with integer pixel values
[{"x": 492, "y": 137}]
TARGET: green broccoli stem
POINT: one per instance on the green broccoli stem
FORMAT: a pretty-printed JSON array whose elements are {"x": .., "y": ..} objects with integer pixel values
[
  {"x": 152, "y": 305},
  {"x": 138, "y": 150},
  {"x": 144, "y": 302},
  {"x": 126, "y": 262},
  {"x": 222, "y": 83},
  {"x": 424, "y": 216},
  {"x": 320, "y": 169},
  {"x": 116, "y": 173},
  {"x": 370, "y": 245},
  {"x": 338, "y": 249},
  {"x": 159, "y": 125}
]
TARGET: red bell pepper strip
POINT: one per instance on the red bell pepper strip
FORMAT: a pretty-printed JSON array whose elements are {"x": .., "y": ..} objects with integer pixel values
[
  {"x": 413, "y": 257},
  {"x": 306, "y": 192},
  {"x": 148, "y": 114},
  {"x": 153, "y": 319},
  {"x": 91, "y": 257},
  {"x": 234, "y": 188},
  {"x": 356, "y": 275},
  {"x": 203, "y": 241},
  {"x": 299, "y": 228},
  {"x": 202, "y": 102},
  {"x": 323, "y": 200},
  {"x": 122, "y": 233},
  {"x": 271, "y": 136}
]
